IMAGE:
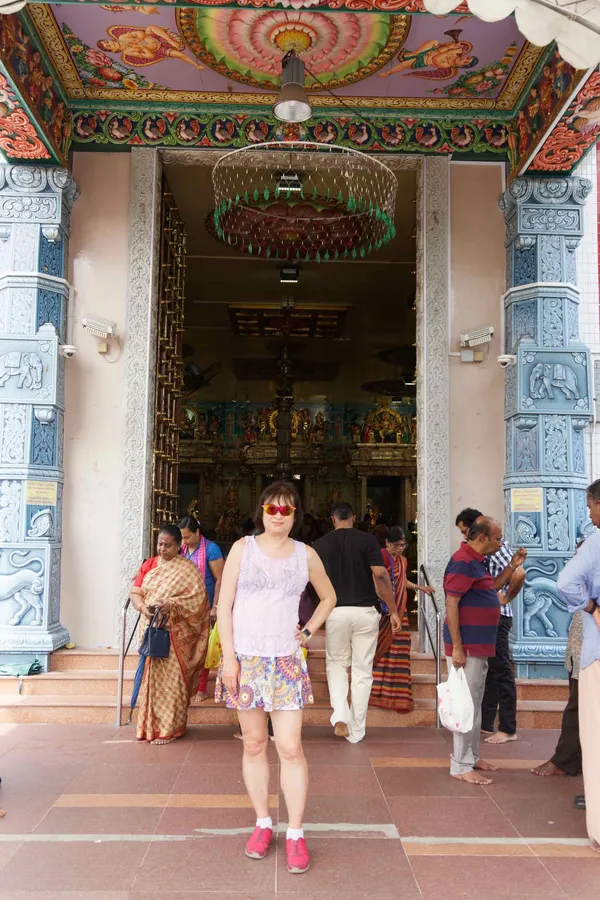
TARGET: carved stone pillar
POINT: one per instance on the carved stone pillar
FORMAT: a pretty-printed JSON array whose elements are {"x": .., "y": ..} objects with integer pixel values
[
  {"x": 35, "y": 207},
  {"x": 548, "y": 404}
]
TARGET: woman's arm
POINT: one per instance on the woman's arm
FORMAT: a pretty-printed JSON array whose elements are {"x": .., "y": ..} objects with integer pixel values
[
  {"x": 229, "y": 580},
  {"x": 216, "y": 567},
  {"x": 320, "y": 581},
  {"x": 424, "y": 588}
]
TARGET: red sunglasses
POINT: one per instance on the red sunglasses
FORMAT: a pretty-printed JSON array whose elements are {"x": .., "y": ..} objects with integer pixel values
[{"x": 271, "y": 510}]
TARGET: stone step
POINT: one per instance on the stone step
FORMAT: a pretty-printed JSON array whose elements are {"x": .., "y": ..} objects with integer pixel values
[
  {"x": 103, "y": 683},
  {"x": 77, "y": 709}
]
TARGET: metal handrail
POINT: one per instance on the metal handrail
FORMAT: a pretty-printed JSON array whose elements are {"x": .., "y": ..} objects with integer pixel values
[
  {"x": 123, "y": 651},
  {"x": 437, "y": 644}
]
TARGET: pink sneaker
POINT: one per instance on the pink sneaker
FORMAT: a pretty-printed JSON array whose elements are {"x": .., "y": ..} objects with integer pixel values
[
  {"x": 298, "y": 857},
  {"x": 257, "y": 846}
]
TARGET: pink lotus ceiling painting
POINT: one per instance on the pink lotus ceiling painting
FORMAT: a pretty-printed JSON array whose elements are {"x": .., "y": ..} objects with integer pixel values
[{"x": 206, "y": 55}]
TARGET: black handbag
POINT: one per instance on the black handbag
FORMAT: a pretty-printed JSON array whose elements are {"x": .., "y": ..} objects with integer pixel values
[{"x": 156, "y": 643}]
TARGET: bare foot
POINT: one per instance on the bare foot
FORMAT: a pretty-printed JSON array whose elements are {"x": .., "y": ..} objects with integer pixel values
[
  {"x": 341, "y": 729},
  {"x": 501, "y": 738},
  {"x": 160, "y": 741},
  {"x": 473, "y": 778},
  {"x": 483, "y": 731},
  {"x": 201, "y": 696},
  {"x": 2, "y": 813},
  {"x": 548, "y": 768},
  {"x": 484, "y": 766},
  {"x": 238, "y": 736}
]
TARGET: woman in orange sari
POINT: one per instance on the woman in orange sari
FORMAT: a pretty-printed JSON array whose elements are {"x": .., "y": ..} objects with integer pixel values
[
  {"x": 392, "y": 688},
  {"x": 174, "y": 586}
]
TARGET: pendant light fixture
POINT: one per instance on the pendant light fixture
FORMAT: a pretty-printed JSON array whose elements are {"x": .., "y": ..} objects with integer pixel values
[{"x": 292, "y": 105}]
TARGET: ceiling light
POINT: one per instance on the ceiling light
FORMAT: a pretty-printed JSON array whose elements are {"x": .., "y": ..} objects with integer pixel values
[
  {"x": 292, "y": 105},
  {"x": 290, "y": 275},
  {"x": 289, "y": 182}
]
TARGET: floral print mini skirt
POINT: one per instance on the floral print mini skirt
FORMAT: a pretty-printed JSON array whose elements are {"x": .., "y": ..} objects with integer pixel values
[{"x": 269, "y": 683}]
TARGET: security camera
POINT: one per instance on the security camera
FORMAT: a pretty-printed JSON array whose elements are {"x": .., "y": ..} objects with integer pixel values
[
  {"x": 506, "y": 360},
  {"x": 68, "y": 351}
]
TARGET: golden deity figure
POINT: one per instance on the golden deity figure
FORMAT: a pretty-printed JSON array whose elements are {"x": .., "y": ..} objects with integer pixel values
[
  {"x": 382, "y": 426},
  {"x": 227, "y": 525}
]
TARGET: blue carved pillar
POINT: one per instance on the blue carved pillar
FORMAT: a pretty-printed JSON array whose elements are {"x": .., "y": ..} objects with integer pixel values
[
  {"x": 35, "y": 207},
  {"x": 548, "y": 405}
]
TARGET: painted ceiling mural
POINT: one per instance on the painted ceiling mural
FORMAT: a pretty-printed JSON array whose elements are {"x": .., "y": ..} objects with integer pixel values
[
  {"x": 205, "y": 73},
  {"x": 233, "y": 56}
]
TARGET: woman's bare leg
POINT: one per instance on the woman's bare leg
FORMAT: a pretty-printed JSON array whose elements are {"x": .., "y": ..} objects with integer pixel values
[
  {"x": 255, "y": 765},
  {"x": 287, "y": 727}
]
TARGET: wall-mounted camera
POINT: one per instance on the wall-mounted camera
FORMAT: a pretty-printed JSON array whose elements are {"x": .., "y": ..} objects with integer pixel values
[
  {"x": 67, "y": 350},
  {"x": 507, "y": 359}
]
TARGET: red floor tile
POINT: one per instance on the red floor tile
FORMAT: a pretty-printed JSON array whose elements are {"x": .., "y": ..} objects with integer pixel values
[
  {"x": 187, "y": 821},
  {"x": 73, "y": 867},
  {"x": 357, "y": 809},
  {"x": 579, "y": 878},
  {"x": 222, "y": 753},
  {"x": 118, "y": 778},
  {"x": 342, "y": 781},
  {"x": 66, "y": 895},
  {"x": 444, "y": 817},
  {"x": 24, "y": 809},
  {"x": 544, "y": 816},
  {"x": 350, "y": 869},
  {"x": 492, "y": 878},
  {"x": 216, "y": 779},
  {"x": 424, "y": 783},
  {"x": 100, "y": 820},
  {"x": 134, "y": 752},
  {"x": 205, "y": 864}
]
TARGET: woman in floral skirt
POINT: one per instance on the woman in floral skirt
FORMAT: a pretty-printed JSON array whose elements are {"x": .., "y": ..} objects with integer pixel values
[{"x": 263, "y": 668}]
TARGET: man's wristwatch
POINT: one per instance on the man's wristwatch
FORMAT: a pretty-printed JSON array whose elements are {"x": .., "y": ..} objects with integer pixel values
[{"x": 307, "y": 634}]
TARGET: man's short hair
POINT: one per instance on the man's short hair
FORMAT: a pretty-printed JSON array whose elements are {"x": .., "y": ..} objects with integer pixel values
[
  {"x": 594, "y": 491},
  {"x": 482, "y": 526},
  {"x": 468, "y": 516},
  {"x": 342, "y": 511}
]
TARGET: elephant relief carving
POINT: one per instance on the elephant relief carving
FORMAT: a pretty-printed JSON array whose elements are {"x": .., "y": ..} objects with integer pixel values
[
  {"x": 26, "y": 367},
  {"x": 545, "y": 376},
  {"x": 539, "y": 596},
  {"x": 26, "y": 586}
]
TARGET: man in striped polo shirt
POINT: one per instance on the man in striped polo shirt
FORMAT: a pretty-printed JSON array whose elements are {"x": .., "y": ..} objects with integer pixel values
[
  {"x": 470, "y": 630},
  {"x": 506, "y": 568}
]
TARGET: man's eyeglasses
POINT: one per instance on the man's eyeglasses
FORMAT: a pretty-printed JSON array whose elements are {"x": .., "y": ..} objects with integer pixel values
[{"x": 271, "y": 510}]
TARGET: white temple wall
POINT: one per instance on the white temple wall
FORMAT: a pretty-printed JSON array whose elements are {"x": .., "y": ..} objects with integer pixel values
[
  {"x": 95, "y": 391},
  {"x": 477, "y": 272}
]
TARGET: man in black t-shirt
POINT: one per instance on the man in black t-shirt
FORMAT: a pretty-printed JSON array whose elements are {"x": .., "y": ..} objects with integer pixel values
[{"x": 355, "y": 566}]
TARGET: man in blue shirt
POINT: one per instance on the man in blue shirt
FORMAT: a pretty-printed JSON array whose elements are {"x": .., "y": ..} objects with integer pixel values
[{"x": 579, "y": 583}]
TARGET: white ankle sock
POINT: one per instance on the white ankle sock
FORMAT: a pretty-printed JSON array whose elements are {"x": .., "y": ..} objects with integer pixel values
[
  {"x": 267, "y": 822},
  {"x": 294, "y": 834}
]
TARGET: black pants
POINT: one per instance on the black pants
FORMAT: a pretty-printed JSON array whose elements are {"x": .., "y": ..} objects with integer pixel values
[
  {"x": 567, "y": 755},
  {"x": 500, "y": 686}
]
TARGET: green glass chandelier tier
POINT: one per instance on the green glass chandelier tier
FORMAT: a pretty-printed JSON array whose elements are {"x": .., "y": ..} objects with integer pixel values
[{"x": 302, "y": 201}]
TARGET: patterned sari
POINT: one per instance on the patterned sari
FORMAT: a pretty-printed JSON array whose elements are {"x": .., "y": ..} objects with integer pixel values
[
  {"x": 169, "y": 684},
  {"x": 392, "y": 687}
]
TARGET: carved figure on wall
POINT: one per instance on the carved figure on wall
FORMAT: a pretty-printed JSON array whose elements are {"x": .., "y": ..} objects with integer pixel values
[
  {"x": 25, "y": 586},
  {"x": 214, "y": 426},
  {"x": 373, "y": 513},
  {"x": 305, "y": 424},
  {"x": 250, "y": 429},
  {"x": 229, "y": 425},
  {"x": 187, "y": 423},
  {"x": 355, "y": 430},
  {"x": 202, "y": 427},
  {"x": 263, "y": 423},
  {"x": 227, "y": 526},
  {"x": 539, "y": 596},
  {"x": 382, "y": 426},
  {"x": 42, "y": 524},
  {"x": 320, "y": 427},
  {"x": 25, "y": 366},
  {"x": 413, "y": 430},
  {"x": 545, "y": 376}
]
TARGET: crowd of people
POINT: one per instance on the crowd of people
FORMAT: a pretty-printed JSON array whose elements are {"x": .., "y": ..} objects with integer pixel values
[{"x": 283, "y": 580}]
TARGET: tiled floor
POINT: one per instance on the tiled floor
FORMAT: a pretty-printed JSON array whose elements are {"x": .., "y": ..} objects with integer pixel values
[{"x": 92, "y": 815}]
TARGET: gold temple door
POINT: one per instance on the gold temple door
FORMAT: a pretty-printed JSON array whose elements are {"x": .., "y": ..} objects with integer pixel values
[{"x": 169, "y": 364}]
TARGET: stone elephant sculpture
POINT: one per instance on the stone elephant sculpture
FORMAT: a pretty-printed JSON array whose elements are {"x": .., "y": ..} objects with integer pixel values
[
  {"x": 27, "y": 367},
  {"x": 545, "y": 376},
  {"x": 26, "y": 586}
]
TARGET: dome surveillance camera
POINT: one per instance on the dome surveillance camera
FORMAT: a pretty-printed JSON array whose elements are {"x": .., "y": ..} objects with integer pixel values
[
  {"x": 506, "y": 360},
  {"x": 68, "y": 351}
]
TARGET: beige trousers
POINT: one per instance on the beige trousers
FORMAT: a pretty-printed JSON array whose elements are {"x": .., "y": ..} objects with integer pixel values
[
  {"x": 465, "y": 747},
  {"x": 589, "y": 735},
  {"x": 352, "y": 633}
]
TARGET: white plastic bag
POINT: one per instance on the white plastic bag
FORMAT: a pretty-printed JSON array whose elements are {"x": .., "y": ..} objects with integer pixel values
[{"x": 455, "y": 703}]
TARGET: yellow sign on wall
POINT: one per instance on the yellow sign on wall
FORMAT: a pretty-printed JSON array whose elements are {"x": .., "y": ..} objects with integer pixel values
[
  {"x": 41, "y": 493},
  {"x": 527, "y": 499}
]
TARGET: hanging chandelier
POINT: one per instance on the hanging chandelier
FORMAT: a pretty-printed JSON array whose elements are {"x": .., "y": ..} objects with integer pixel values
[
  {"x": 303, "y": 201},
  {"x": 573, "y": 24}
]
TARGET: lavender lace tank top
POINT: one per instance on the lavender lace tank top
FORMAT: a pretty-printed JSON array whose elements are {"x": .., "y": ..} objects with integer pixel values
[{"x": 265, "y": 608}]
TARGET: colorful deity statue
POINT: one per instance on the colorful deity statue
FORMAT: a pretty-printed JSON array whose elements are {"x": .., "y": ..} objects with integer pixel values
[
  {"x": 382, "y": 426},
  {"x": 227, "y": 525},
  {"x": 373, "y": 512}
]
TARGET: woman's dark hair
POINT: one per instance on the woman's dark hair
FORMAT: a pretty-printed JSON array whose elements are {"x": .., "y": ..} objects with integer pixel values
[
  {"x": 190, "y": 523},
  {"x": 396, "y": 534},
  {"x": 172, "y": 530},
  {"x": 381, "y": 532},
  {"x": 279, "y": 490}
]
